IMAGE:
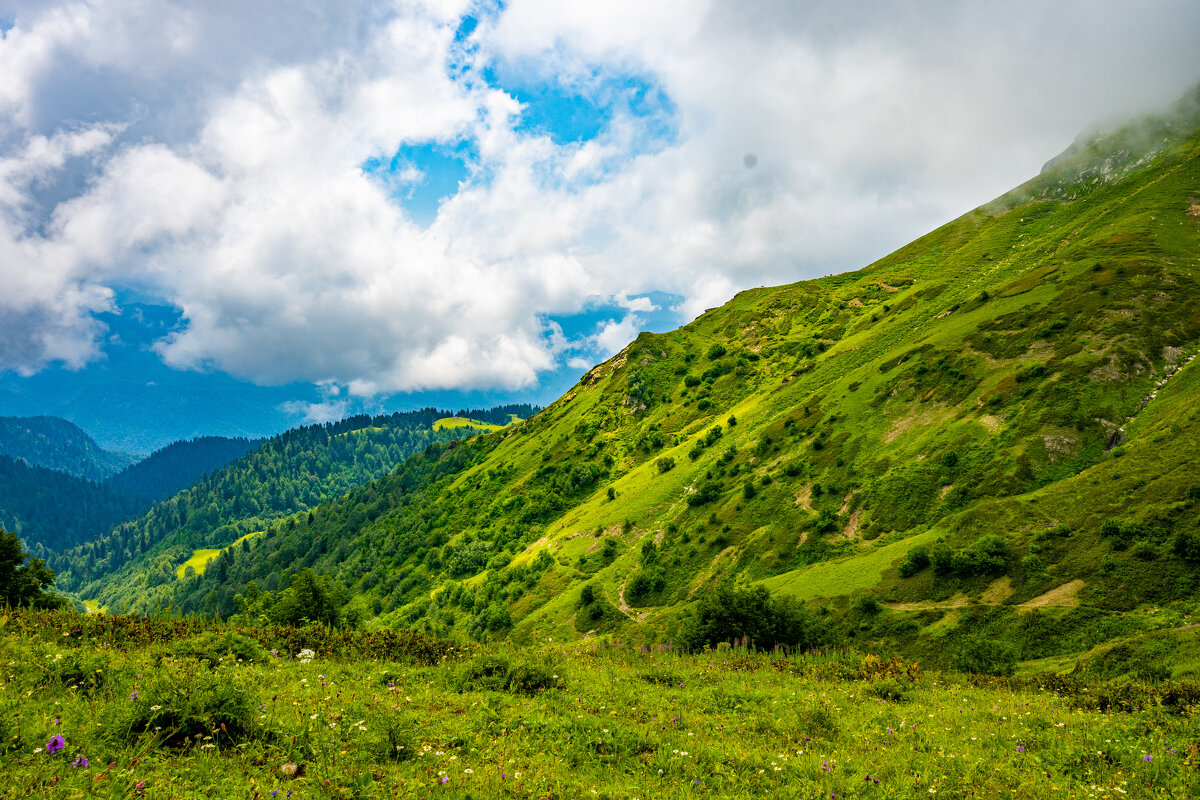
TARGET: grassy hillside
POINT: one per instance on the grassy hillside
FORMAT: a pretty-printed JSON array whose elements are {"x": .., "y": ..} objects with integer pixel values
[{"x": 990, "y": 431}]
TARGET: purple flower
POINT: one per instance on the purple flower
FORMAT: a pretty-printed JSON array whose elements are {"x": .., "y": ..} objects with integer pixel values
[
  {"x": 1144, "y": 758},
  {"x": 55, "y": 745},
  {"x": 1020, "y": 749},
  {"x": 80, "y": 761},
  {"x": 134, "y": 695}
]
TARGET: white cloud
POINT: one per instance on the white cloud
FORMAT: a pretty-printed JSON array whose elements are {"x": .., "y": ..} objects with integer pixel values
[
  {"x": 315, "y": 413},
  {"x": 219, "y": 159}
]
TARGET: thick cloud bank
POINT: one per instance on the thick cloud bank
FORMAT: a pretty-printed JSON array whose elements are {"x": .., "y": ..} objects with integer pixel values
[{"x": 397, "y": 196}]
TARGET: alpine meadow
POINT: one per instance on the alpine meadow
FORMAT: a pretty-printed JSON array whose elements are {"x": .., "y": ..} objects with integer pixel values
[{"x": 930, "y": 528}]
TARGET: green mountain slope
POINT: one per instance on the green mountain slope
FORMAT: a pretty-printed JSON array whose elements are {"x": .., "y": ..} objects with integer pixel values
[
  {"x": 59, "y": 445},
  {"x": 988, "y": 430},
  {"x": 136, "y": 564}
]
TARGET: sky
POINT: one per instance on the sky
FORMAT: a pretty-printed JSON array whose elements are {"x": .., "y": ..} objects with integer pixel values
[{"x": 310, "y": 209}]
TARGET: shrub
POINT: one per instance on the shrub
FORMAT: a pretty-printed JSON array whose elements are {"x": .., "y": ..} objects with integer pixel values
[
  {"x": 181, "y": 705},
  {"x": 665, "y": 464},
  {"x": 984, "y": 656},
  {"x": 716, "y": 351},
  {"x": 1186, "y": 545},
  {"x": 496, "y": 673},
  {"x": 211, "y": 648},
  {"x": 392, "y": 737},
  {"x": 729, "y": 613},
  {"x": 706, "y": 493},
  {"x": 87, "y": 671},
  {"x": 917, "y": 560},
  {"x": 889, "y": 689},
  {"x": 868, "y": 604},
  {"x": 986, "y": 556}
]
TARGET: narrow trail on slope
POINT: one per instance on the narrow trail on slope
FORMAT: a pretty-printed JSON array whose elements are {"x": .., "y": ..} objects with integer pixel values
[{"x": 1172, "y": 370}]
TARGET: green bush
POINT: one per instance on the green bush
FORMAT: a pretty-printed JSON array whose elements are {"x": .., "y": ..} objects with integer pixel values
[
  {"x": 984, "y": 656},
  {"x": 917, "y": 560},
  {"x": 730, "y": 613},
  {"x": 890, "y": 689},
  {"x": 706, "y": 493},
  {"x": 86, "y": 671},
  {"x": 211, "y": 648},
  {"x": 392, "y": 737},
  {"x": 495, "y": 672},
  {"x": 181, "y": 706}
]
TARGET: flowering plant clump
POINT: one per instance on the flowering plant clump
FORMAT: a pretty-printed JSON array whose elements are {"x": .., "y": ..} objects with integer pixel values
[
  {"x": 55, "y": 745},
  {"x": 306, "y": 655}
]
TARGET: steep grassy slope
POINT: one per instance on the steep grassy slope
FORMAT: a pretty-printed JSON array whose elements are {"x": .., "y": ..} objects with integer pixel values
[{"x": 988, "y": 392}]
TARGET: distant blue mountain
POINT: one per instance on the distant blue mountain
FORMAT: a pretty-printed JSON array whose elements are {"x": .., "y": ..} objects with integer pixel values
[{"x": 55, "y": 444}]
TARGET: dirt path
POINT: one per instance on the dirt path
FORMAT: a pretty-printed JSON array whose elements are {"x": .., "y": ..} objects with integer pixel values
[{"x": 999, "y": 591}]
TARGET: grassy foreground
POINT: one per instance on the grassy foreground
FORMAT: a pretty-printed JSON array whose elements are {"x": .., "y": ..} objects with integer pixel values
[{"x": 150, "y": 708}]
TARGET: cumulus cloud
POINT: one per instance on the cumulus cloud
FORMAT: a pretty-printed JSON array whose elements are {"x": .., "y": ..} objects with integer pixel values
[{"x": 213, "y": 155}]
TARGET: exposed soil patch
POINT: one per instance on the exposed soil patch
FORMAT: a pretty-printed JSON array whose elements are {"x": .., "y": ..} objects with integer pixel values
[
  {"x": 991, "y": 422},
  {"x": 999, "y": 591},
  {"x": 904, "y": 424},
  {"x": 959, "y": 600},
  {"x": 851, "y": 529},
  {"x": 1065, "y": 595},
  {"x": 804, "y": 497}
]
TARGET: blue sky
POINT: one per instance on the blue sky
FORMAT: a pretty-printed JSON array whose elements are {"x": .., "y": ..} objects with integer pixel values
[{"x": 214, "y": 218}]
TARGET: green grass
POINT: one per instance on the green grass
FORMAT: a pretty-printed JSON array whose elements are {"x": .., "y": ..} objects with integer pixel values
[
  {"x": 845, "y": 575},
  {"x": 613, "y": 721},
  {"x": 94, "y": 607},
  {"x": 463, "y": 422},
  {"x": 200, "y": 558}
]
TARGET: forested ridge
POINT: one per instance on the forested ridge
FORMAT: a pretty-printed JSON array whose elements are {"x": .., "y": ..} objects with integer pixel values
[
  {"x": 51, "y": 511},
  {"x": 178, "y": 465},
  {"x": 289, "y": 473}
]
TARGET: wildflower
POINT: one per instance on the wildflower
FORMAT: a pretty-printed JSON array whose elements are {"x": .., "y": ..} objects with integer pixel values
[
  {"x": 56, "y": 744},
  {"x": 140, "y": 785},
  {"x": 1144, "y": 758},
  {"x": 1020, "y": 749},
  {"x": 80, "y": 761},
  {"x": 134, "y": 695}
]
